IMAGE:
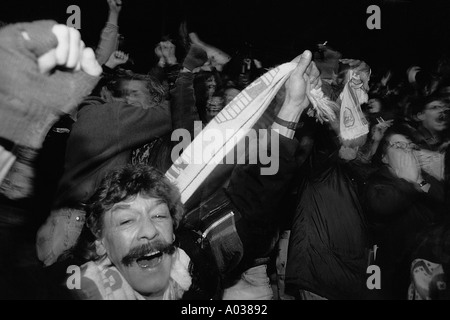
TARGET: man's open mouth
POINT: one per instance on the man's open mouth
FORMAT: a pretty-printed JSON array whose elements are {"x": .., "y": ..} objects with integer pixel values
[
  {"x": 148, "y": 255},
  {"x": 150, "y": 260}
]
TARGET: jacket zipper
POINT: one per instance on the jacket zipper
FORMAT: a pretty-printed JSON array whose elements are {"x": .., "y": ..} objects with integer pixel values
[{"x": 215, "y": 224}]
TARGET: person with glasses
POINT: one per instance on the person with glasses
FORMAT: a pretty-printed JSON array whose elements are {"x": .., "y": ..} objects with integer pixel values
[
  {"x": 430, "y": 126},
  {"x": 400, "y": 201},
  {"x": 431, "y": 115}
]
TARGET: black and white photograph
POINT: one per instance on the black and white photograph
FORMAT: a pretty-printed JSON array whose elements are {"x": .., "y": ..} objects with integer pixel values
[{"x": 230, "y": 155}]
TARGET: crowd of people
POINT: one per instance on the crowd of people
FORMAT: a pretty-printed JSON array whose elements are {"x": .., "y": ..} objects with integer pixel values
[{"x": 85, "y": 141}]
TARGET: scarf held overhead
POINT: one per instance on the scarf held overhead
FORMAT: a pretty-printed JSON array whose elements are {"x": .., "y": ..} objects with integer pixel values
[
  {"x": 353, "y": 124},
  {"x": 240, "y": 115}
]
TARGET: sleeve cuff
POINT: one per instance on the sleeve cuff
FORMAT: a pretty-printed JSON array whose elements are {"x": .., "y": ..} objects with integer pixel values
[{"x": 111, "y": 25}]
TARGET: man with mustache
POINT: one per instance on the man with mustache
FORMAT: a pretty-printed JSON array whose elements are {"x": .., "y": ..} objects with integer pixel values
[{"x": 133, "y": 215}]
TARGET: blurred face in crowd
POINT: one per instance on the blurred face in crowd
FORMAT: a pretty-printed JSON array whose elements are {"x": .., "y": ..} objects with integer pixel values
[
  {"x": 374, "y": 105},
  {"x": 214, "y": 106},
  {"x": 211, "y": 85},
  {"x": 434, "y": 116},
  {"x": 137, "y": 94},
  {"x": 137, "y": 236},
  {"x": 230, "y": 94}
]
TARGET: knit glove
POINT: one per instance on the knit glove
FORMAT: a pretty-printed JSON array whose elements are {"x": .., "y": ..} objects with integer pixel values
[
  {"x": 28, "y": 96},
  {"x": 195, "y": 58}
]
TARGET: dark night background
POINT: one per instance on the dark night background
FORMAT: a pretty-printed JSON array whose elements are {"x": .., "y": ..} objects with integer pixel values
[{"x": 412, "y": 32}]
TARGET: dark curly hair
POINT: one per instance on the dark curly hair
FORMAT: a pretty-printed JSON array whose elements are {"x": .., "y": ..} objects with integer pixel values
[
  {"x": 113, "y": 82},
  {"x": 126, "y": 183}
]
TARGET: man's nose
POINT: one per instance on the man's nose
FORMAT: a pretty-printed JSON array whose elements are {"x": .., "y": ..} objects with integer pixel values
[{"x": 147, "y": 230}]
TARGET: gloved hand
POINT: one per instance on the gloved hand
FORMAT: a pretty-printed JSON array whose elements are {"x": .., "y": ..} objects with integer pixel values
[{"x": 45, "y": 70}]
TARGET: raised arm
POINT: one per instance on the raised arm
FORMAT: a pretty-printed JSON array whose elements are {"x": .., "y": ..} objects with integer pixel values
[
  {"x": 258, "y": 195},
  {"x": 109, "y": 37}
]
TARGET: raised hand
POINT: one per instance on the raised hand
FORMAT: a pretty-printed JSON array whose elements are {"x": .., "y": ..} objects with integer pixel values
[
  {"x": 406, "y": 166},
  {"x": 380, "y": 128},
  {"x": 115, "y": 6},
  {"x": 217, "y": 58},
  {"x": 168, "y": 52},
  {"x": 305, "y": 77},
  {"x": 165, "y": 51},
  {"x": 70, "y": 53},
  {"x": 116, "y": 59}
]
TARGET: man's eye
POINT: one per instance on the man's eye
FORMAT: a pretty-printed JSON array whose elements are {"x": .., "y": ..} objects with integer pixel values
[
  {"x": 125, "y": 222},
  {"x": 160, "y": 216}
]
